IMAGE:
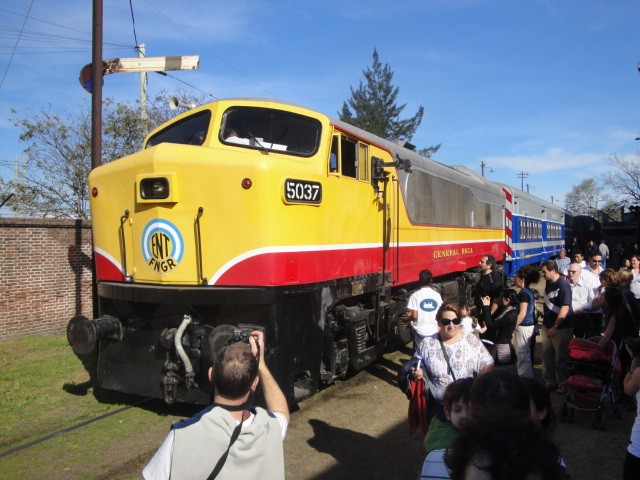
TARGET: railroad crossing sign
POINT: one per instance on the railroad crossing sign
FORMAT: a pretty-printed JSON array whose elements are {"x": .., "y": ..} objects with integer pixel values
[{"x": 140, "y": 64}]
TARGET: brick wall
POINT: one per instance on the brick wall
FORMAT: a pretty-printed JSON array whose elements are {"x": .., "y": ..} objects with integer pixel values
[{"x": 45, "y": 274}]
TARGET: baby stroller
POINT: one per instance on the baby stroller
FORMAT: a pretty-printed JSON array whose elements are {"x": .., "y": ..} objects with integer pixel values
[{"x": 594, "y": 370}]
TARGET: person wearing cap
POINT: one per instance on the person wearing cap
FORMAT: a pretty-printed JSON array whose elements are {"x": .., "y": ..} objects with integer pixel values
[{"x": 230, "y": 439}]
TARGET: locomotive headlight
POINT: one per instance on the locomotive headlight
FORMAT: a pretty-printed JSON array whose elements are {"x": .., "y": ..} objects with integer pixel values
[
  {"x": 154, "y": 188},
  {"x": 158, "y": 187}
]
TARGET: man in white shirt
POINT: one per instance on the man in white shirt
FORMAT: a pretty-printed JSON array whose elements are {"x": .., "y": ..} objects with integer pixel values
[
  {"x": 423, "y": 306},
  {"x": 579, "y": 259},
  {"x": 595, "y": 264},
  {"x": 563, "y": 262},
  {"x": 583, "y": 286}
]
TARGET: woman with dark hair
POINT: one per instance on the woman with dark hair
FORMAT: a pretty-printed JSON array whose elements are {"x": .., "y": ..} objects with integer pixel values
[
  {"x": 541, "y": 407},
  {"x": 448, "y": 356},
  {"x": 619, "y": 322},
  {"x": 500, "y": 325},
  {"x": 492, "y": 448},
  {"x": 525, "y": 321}
]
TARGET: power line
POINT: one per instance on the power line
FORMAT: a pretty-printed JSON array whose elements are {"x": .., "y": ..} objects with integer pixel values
[
  {"x": 133, "y": 22},
  {"x": 165, "y": 74},
  {"x": 33, "y": 19},
  {"x": 16, "y": 45},
  {"x": 196, "y": 40}
]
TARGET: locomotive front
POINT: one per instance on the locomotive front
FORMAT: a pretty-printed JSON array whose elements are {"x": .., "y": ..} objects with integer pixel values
[{"x": 185, "y": 234}]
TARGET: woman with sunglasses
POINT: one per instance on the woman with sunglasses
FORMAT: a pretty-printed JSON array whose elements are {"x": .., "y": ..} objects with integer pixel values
[{"x": 447, "y": 356}]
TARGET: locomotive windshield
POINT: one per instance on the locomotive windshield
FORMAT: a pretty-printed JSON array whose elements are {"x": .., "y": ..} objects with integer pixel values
[
  {"x": 268, "y": 129},
  {"x": 188, "y": 131}
]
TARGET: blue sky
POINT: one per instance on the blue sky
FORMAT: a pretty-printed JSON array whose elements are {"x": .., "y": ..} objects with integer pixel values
[{"x": 544, "y": 87}]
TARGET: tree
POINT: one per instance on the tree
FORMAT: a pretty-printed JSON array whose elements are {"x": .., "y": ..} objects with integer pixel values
[
  {"x": 52, "y": 180},
  {"x": 624, "y": 179},
  {"x": 52, "y": 174},
  {"x": 372, "y": 107},
  {"x": 586, "y": 198}
]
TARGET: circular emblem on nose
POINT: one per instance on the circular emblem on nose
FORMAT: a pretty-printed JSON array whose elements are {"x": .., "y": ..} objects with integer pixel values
[{"x": 162, "y": 245}]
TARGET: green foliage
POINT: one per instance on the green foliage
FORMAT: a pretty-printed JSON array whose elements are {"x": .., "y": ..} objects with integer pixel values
[
  {"x": 373, "y": 107},
  {"x": 45, "y": 389},
  {"x": 51, "y": 174}
]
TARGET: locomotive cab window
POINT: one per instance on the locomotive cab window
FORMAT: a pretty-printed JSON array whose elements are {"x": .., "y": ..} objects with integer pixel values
[
  {"x": 349, "y": 157},
  {"x": 268, "y": 129},
  {"x": 191, "y": 130}
]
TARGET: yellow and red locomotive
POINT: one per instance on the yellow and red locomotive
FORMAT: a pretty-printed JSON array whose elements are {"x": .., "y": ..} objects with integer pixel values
[{"x": 259, "y": 213}]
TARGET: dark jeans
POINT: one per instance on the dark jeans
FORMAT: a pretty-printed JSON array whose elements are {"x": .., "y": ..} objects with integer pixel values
[{"x": 631, "y": 468}]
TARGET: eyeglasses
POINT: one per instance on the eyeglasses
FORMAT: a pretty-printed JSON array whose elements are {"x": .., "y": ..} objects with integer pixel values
[
  {"x": 596, "y": 261},
  {"x": 572, "y": 271},
  {"x": 447, "y": 321}
]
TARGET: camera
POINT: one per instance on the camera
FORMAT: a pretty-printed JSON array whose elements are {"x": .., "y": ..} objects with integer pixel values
[
  {"x": 239, "y": 336},
  {"x": 224, "y": 335},
  {"x": 634, "y": 345}
]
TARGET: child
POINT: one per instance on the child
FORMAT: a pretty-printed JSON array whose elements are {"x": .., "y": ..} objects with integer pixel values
[
  {"x": 441, "y": 434},
  {"x": 541, "y": 408},
  {"x": 466, "y": 325}
]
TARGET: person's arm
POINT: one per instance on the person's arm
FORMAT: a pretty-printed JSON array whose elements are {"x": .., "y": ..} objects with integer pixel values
[
  {"x": 632, "y": 377},
  {"x": 522, "y": 312},
  {"x": 608, "y": 330},
  {"x": 485, "y": 319},
  {"x": 413, "y": 315},
  {"x": 273, "y": 396},
  {"x": 562, "y": 314}
]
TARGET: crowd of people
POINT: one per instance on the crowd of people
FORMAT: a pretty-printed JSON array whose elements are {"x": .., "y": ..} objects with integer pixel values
[
  {"x": 485, "y": 415},
  {"x": 582, "y": 299}
]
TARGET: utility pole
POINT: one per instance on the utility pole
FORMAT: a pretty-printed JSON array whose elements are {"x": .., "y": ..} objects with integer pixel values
[
  {"x": 143, "y": 93},
  {"x": 96, "y": 86},
  {"x": 522, "y": 176},
  {"x": 551, "y": 199},
  {"x": 482, "y": 167}
]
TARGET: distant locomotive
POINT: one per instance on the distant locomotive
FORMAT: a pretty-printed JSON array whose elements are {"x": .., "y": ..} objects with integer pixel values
[{"x": 258, "y": 213}]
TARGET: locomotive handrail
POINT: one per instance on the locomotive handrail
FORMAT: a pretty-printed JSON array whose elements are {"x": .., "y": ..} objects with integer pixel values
[
  {"x": 123, "y": 219},
  {"x": 199, "y": 245}
]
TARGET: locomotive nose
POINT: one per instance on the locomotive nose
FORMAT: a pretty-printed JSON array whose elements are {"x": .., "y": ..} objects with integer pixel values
[{"x": 83, "y": 334}]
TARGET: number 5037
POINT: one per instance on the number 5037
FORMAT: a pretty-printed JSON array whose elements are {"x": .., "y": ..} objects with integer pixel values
[{"x": 302, "y": 191}]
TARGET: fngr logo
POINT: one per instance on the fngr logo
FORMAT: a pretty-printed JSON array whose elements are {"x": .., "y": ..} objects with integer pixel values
[{"x": 162, "y": 245}]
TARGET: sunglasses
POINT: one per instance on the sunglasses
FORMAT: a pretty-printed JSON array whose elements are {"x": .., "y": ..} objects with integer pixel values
[
  {"x": 447, "y": 321},
  {"x": 572, "y": 271}
]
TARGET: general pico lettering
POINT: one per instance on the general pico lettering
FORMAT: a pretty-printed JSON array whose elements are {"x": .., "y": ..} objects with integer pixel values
[{"x": 452, "y": 252}]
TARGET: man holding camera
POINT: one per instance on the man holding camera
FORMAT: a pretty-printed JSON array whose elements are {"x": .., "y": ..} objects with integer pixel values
[{"x": 230, "y": 439}]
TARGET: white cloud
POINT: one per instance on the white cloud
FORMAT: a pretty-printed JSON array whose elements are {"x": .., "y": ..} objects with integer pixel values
[{"x": 554, "y": 158}]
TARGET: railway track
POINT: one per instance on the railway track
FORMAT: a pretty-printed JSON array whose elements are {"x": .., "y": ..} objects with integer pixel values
[{"x": 57, "y": 433}]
